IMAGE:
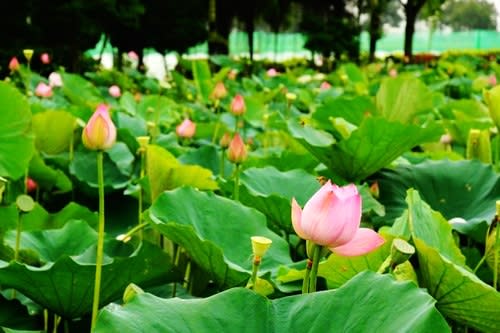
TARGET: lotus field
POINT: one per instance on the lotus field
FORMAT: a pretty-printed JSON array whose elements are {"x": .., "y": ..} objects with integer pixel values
[{"x": 360, "y": 199}]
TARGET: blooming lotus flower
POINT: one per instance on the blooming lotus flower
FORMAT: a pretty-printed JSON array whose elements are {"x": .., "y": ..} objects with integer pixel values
[
  {"x": 100, "y": 132},
  {"x": 219, "y": 91},
  {"x": 186, "y": 129},
  {"x": 238, "y": 106},
  {"x": 325, "y": 85},
  {"x": 55, "y": 80},
  {"x": 331, "y": 218},
  {"x": 45, "y": 58},
  {"x": 237, "y": 152},
  {"x": 272, "y": 72},
  {"x": 43, "y": 90},
  {"x": 115, "y": 91},
  {"x": 13, "y": 64}
]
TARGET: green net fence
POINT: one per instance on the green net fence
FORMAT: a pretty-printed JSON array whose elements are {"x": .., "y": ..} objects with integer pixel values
[{"x": 288, "y": 45}]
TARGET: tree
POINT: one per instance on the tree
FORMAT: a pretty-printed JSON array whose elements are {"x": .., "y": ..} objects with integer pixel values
[
  {"x": 411, "y": 9},
  {"x": 469, "y": 15},
  {"x": 330, "y": 28}
]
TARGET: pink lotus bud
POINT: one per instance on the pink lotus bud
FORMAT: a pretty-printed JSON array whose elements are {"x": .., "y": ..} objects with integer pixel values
[
  {"x": 272, "y": 72},
  {"x": 31, "y": 185},
  {"x": 393, "y": 72},
  {"x": 492, "y": 80},
  {"x": 331, "y": 218},
  {"x": 446, "y": 139},
  {"x": 225, "y": 140},
  {"x": 55, "y": 80},
  {"x": 219, "y": 91},
  {"x": 237, "y": 152},
  {"x": 100, "y": 132},
  {"x": 45, "y": 58},
  {"x": 232, "y": 74},
  {"x": 43, "y": 90},
  {"x": 13, "y": 64},
  {"x": 238, "y": 106},
  {"x": 133, "y": 56},
  {"x": 325, "y": 85},
  {"x": 115, "y": 91},
  {"x": 186, "y": 129}
]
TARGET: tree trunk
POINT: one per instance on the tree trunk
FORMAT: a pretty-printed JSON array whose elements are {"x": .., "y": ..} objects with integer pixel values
[
  {"x": 412, "y": 8},
  {"x": 374, "y": 32}
]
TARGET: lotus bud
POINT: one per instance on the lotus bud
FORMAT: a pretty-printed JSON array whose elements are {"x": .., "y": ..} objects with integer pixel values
[
  {"x": 237, "y": 152},
  {"x": 492, "y": 99},
  {"x": 13, "y": 64},
  {"x": 133, "y": 56},
  {"x": 45, "y": 58},
  {"x": 479, "y": 146},
  {"x": 114, "y": 91},
  {"x": 55, "y": 80},
  {"x": 492, "y": 80},
  {"x": 393, "y": 72},
  {"x": 272, "y": 72},
  {"x": 43, "y": 90},
  {"x": 325, "y": 85},
  {"x": 238, "y": 106},
  {"x": 225, "y": 140},
  {"x": 31, "y": 185},
  {"x": 186, "y": 129},
  {"x": 219, "y": 91},
  {"x": 100, "y": 132}
]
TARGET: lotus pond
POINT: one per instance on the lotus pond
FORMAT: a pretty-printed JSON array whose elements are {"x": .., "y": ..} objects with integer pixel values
[{"x": 363, "y": 199}]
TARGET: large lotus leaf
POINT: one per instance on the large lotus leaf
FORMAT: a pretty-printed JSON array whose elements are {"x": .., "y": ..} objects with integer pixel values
[
  {"x": 58, "y": 138},
  {"x": 159, "y": 108},
  {"x": 84, "y": 168},
  {"x": 403, "y": 98},
  {"x": 375, "y": 144},
  {"x": 203, "y": 78},
  {"x": 420, "y": 221},
  {"x": 165, "y": 172},
  {"x": 66, "y": 285},
  {"x": 216, "y": 232},
  {"x": 352, "y": 109},
  {"x": 466, "y": 189},
  {"x": 460, "y": 294},
  {"x": 15, "y": 315},
  {"x": 48, "y": 177},
  {"x": 367, "y": 303},
  {"x": 16, "y": 140},
  {"x": 80, "y": 91},
  {"x": 207, "y": 157},
  {"x": 270, "y": 191},
  {"x": 256, "y": 110},
  {"x": 50, "y": 245},
  {"x": 39, "y": 218}
]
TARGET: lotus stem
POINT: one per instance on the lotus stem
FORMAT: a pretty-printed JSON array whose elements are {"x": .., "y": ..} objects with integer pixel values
[
  {"x": 100, "y": 239},
  {"x": 255, "y": 270},
  {"x": 314, "y": 270},
  {"x": 236, "y": 192},
  {"x": 307, "y": 276}
]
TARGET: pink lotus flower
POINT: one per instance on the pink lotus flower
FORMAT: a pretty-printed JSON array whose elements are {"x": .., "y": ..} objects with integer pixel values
[
  {"x": 43, "y": 90},
  {"x": 325, "y": 85},
  {"x": 13, "y": 64},
  {"x": 219, "y": 91},
  {"x": 45, "y": 58},
  {"x": 238, "y": 106},
  {"x": 393, "y": 72},
  {"x": 237, "y": 152},
  {"x": 133, "y": 56},
  {"x": 272, "y": 72},
  {"x": 55, "y": 80},
  {"x": 115, "y": 91},
  {"x": 100, "y": 132},
  {"x": 331, "y": 218},
  {"x": 186, "y": 129}
]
